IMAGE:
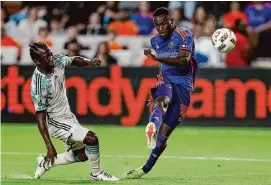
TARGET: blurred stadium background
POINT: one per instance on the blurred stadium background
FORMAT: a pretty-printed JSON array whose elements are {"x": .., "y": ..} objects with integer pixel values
[{"x": 232, "y": 89}]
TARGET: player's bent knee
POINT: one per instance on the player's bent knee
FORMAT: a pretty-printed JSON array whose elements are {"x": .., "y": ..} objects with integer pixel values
[
  {"x": 91, "y": 139},
  {"x": 165, "y": 130},
  {"x": 161, "y": 141},
  {"x": 163, "y": 102},
  {"x": 80, "y": 155},
  {"x": 82, "y": 158},
  {"x": 163, "y": 134}
]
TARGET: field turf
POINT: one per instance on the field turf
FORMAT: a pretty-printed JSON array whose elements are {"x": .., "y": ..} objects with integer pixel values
[{"x": 194, "y": 156}]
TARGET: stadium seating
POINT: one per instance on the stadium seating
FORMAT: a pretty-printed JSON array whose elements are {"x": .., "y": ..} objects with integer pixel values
[
  {"x": 9, "y": 55},
  {"x": 26, "y": 59}
]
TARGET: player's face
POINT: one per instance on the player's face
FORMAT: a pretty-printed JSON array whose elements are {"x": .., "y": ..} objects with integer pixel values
[
  {"x": 163, "y": 25},
  {"x": 46, "y": 60}
]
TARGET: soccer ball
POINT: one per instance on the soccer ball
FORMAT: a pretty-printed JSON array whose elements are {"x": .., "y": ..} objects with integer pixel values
[{"x": 224, "y": 40}]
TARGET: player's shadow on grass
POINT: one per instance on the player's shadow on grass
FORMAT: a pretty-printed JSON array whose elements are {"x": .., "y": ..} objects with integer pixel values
[
  {"x": 147, "y": 180},
  {"x": 77, "y": 181},
  {"x": 169, "y": 179}
]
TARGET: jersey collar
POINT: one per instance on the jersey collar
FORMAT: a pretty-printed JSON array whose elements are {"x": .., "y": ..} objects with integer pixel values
[{"x": 50, "y": 74}]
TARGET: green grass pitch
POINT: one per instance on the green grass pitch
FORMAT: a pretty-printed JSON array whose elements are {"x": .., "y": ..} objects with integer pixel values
[{"x": 194, "y": 156}]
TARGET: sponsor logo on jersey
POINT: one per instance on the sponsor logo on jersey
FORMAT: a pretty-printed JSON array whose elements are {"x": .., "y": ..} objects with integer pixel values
[{"x": 171, "y": 44}]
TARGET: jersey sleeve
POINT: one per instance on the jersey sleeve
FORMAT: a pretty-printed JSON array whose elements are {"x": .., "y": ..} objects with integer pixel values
[
  {"x": 38, "y": 93},
  {"x": 153, "y": 41},
  {"x": 152, "y": 45},
  {"x": 39, "y": 99},
  {"x": 61, "y": 61},
  {"x": 40, "y": 102},
  {"x": 186, "y": 39}
]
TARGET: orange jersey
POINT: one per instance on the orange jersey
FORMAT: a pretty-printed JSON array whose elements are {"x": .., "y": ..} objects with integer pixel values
[
  {"x": 124, "y": 28},
  {"x": 149, "y": 62},
  {"x": 235, "y": 58},
  {"x": 231, "y": 17},
  {"x": 9, "y": 41},
  {"x": 48, "y": 42},
  {"x": 115, "y": 46}
]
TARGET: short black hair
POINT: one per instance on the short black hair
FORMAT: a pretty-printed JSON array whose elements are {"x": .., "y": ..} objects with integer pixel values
[
  {"x": 36, "y": 49},
  {"x": 161, "y": 11},
  {"x": 237, "y": 23}
]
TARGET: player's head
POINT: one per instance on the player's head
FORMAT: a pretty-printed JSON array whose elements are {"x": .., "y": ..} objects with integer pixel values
[
  {"x": 240, "y": 26},
  {"x": 163, "y": 21},
  {"x": 42, "y": 55}
]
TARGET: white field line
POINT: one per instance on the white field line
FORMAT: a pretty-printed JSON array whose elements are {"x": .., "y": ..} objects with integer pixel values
[
  {"x": 163, "y": 157},
  {"x": 19, "y": 176}
]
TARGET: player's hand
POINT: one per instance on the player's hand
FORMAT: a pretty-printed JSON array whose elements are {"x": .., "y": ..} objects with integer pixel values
[
  {"x": 95, "y": 62},
  {"x": 51, "y": 154},
  {"x": 149, "y": 54}
]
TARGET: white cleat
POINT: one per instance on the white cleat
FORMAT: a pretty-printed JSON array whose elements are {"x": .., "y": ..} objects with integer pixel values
[
  {"x": 151, "y": 135},
  {"x": 42, "y": 168},
  {"x": 103, "y": 176}
]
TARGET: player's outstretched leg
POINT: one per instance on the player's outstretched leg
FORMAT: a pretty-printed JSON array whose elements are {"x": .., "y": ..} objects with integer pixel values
[
  {"x": 160, "y": 107},
  {"x": 93, "y": 153},
  {"x": 163, "y": 133},
  {"x": 62, "y": 159}
]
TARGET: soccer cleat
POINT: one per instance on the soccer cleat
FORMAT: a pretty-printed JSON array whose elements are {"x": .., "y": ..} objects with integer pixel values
[
  {"x": 42, "y": 168},
  {"x": 151, "y": 135},
  {"x": 135, "y": 174},
  {"x": 103, "y": 176}
]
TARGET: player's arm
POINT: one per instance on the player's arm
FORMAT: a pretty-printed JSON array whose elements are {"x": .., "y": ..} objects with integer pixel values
[
  {"x": 51, "y": 152},
  {"x": 185, "y": 49},
  {"x": 264, "y": 27},
  {"x": 247, "y": 49},
  {"x": 41, "y": 116},
  {"x": 83, "y": 62},
  {"x": 40, "y": 107},
  {"x": 62, "y": 61},
  {"x": 181, "y": 60}
]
